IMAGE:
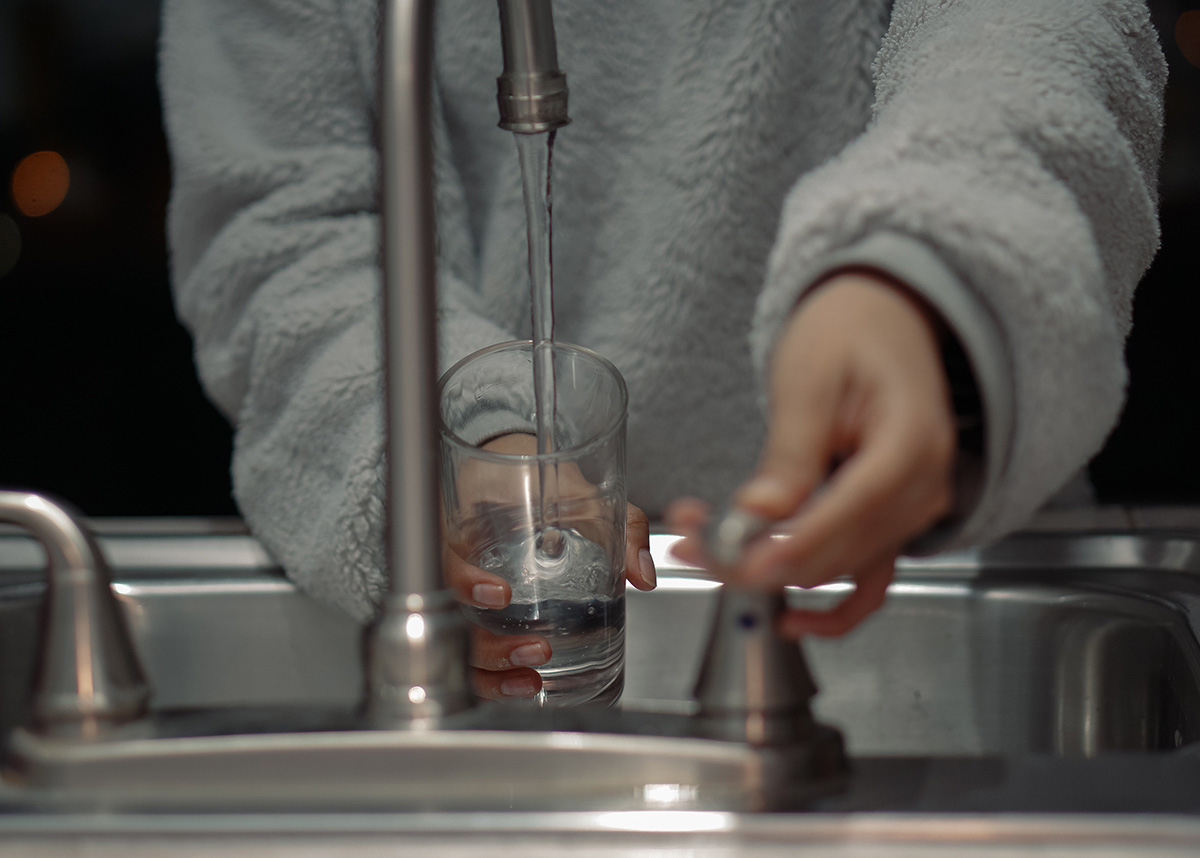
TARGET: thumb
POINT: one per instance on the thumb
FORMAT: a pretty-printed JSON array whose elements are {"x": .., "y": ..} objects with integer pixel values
[{"x": 639, "y": 566}]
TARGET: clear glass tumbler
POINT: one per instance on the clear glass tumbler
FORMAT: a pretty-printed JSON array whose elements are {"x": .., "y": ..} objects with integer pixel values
[{"x": 551, "y": 524}]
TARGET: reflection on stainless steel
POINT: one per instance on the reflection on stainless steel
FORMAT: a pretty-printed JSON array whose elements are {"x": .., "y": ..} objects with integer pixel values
[
  {"x": 1090, "y": 653},
  {"x": 88, "y": 677},
  {"x": 966, "y": 658},
  {"x": 1064, "y": 663},
  {"x": 976, "y": 653},
  {"x": 1094, "y": 670}
]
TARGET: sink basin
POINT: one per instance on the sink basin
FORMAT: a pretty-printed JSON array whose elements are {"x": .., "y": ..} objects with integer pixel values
[{"x": 1060, "y": 644}]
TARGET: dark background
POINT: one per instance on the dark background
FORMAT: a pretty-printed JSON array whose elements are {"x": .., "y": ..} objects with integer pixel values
[{"x": 98, "y": 398}]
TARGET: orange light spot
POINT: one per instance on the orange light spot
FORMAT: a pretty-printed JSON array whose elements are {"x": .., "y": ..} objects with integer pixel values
[
  {"x": 1187, "y": 35},
  {"x": 39, "y": 183}
]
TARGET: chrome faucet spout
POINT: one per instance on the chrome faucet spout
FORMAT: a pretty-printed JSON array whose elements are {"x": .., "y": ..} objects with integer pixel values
[{"x": 532, "y": 90}]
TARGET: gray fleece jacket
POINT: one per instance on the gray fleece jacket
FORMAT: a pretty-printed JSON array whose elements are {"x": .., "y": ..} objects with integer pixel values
[{"x": 999, "y": 156}]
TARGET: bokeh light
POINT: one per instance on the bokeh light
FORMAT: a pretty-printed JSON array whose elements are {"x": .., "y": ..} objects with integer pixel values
[
  {"x": 10, "y": 244},
  {"x": 1187, "y": 36},
  {"x": 39, "y": 183}
]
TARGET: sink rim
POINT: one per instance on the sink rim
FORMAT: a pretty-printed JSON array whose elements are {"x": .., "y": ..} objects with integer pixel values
[
  {"x": 636, "y": 829},
  {"x": 136, "y": 547}
]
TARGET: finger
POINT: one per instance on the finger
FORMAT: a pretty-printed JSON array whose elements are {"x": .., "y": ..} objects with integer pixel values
[
  {"x": 639, "y": 565},
  {"x": 801, "y": 433},
  {"x": 688, "y": 518},
  {"x": 501, "y": 652},
  {"x": 870, "y": 591},
  {"x": 895, "y": 487},
  {"x": 502, "y": 665},
  {"x": 797, "y": 454},
  {"x": 472, "y": 585},
  {"x": 506, "y": 684}
]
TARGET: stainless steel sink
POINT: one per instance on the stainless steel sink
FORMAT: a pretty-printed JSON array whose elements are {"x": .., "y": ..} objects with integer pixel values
[{"x": 1046, "y": 643}]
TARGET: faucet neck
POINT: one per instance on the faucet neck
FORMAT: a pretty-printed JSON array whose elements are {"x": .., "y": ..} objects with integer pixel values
[{"x": 416, "y": 650}]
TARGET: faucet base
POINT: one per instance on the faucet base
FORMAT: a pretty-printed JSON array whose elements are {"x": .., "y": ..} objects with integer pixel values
[
  {"x": 416, "y": 663},
  {"x": 644, "y": 760}
]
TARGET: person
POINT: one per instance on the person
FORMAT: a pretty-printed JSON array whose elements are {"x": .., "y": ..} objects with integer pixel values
[{"x": 866, "y": 265}]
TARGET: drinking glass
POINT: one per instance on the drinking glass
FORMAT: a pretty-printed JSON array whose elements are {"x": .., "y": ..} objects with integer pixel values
[{"x": 551, "y": 523}]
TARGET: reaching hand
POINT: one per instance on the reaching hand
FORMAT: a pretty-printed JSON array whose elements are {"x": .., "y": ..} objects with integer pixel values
[{"x": 859, "y": 453}]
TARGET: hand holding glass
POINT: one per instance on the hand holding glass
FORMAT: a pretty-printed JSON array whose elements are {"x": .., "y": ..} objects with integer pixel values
[{"x": 552, "y": 524}]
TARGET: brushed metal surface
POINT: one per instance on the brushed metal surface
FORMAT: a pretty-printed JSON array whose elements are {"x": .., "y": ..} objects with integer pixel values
[
  {"x": 88, "y": 676},
  {"x": 1000, "y": 652}
]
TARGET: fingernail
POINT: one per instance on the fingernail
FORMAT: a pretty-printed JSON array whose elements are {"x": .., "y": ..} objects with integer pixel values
[
  {"x": 518, "y": 686},
  {"x": 646, "y": 567},
  {"x": 489, "y": 595},
  {"x": 527, "y": 655}
]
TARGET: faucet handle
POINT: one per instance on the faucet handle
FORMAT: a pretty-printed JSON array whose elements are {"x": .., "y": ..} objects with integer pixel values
[
  {"x": 754, "y": 688},
  {"x": 753, "y": 685},
  {"x": 88, "y": 674}
]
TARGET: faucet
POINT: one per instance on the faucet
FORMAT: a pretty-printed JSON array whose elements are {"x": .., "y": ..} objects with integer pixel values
[
  {"x": 416, "y": 651},
  {"x": 88, "y": 677},
  {"x": 753, "y": 686},
  {"x": 752, "y": 745}
]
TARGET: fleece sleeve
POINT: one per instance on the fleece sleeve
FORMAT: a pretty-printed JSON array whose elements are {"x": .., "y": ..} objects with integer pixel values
[
  {"x": 1008, "y": 175},
  {"x": 273, "y": 234}
]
